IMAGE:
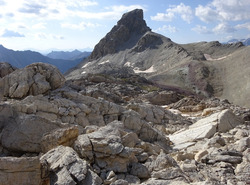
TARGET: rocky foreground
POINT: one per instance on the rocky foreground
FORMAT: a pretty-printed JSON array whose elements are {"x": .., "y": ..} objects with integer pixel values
[{"x": 115, "y": 129}]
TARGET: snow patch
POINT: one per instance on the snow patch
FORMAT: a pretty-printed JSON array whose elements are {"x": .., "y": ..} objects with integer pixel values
[
  {"x": 86, "y": 65},
  {"x": 128, "y": 64},
  {"x": 208, "y": 57},
  {"x": 83, "y": 72},
  {"x": 149, "y": 70},
  {"x": 107, "y": 61}
]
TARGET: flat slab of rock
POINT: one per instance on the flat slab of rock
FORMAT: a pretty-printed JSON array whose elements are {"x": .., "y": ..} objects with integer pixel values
[
  {"x": 20, "y": 170},
  {"x": 206, "y": 128}
]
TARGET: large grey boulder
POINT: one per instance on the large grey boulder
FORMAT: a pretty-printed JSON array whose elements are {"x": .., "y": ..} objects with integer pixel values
[
  {"x": 34, "y": 79},
  {"x": 24, "y": 134}
]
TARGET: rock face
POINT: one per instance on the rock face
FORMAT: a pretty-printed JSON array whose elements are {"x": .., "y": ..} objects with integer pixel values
[{"x": 129, "y": 26}]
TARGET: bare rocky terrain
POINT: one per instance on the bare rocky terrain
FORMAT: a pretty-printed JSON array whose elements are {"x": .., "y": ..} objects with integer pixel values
[{"x": 109, "y": 122}]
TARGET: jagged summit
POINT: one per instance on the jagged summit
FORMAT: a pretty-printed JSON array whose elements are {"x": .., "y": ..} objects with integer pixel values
[
  {"x": 134, "y": 21},
  {"x": 130, "y": 26}
]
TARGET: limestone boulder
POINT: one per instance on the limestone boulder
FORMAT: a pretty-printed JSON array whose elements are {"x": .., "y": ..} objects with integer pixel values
[
  {"x": 63, "y": 166},
  {"x": 34, "y": 79},
  {"x": 106, "y": 149},
  {"x": 205, "y": 128}
]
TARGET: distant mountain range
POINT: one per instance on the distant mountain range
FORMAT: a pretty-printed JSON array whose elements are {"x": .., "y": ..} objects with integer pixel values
[
  {"x": 246, "y": 42},
  {"x": 21, "y": 59},
  {"x": 68, "y": 55}
]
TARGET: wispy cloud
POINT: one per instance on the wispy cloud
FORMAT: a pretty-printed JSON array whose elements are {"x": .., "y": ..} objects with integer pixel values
[
  {"x": 224, "y": 10},
  {"x": 166, "y": 29},
  {"x": 184, "y": 11},
  {"x": 223, "y": 28},
  {"x": 32, "y": 8},
  {"x": 45, "y": 36},
  {"x": 202, "y": 29},
  {"x": 10, "y": 33},
  {"x": 80, "y": 26},
  {"x": 243, "y": 26}
]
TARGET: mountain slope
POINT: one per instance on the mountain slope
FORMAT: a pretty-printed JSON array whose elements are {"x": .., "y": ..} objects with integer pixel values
[
  {"x": 21, "y": 59},
  {"x": 203, "y": 68}
]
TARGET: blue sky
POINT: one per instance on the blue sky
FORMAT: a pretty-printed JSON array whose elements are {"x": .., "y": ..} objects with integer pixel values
[{"x": 77, "y": 24}]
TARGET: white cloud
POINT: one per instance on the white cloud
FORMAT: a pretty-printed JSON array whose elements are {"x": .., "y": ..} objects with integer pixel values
[
  {"x": 45, "y": 36},
  {"x": 166, "y": 29},
  {"x": 233, "y": 10},
  {"x": 50, "y": 9},
  {"x": 163, "y": 17},
  {"x": 81, "y": 26},
  {"x": 223, "y": 28},
  {"x": 243, "y": 26},
  {"x": 201, "y": 29},
  {"x": 184, "y": 11},
  {"x": 206, "y": 14},
  {"x": 224, "y": 10},
  {"x": 123, "y": 8}
]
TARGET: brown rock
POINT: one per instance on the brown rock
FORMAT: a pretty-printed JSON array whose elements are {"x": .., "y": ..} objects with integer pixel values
[
  {"x": 20, "y": 170},
  {"x": 62, "y": 136}
]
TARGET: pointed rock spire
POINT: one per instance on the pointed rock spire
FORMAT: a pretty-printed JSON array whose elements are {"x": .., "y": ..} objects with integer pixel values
[{"x": 130, "y": 25}]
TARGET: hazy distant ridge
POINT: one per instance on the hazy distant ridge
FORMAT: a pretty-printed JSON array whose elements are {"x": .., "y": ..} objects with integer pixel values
[{"x": 68, "y": 55}]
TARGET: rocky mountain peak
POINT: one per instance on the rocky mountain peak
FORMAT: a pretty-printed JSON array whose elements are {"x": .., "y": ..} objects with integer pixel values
[
  {"x": 134, "y": 21},
  {"x": 129, "y": 27}
]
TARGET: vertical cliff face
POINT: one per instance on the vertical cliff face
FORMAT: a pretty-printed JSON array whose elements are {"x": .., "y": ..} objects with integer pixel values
[{"x": 131, "y": 24}]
